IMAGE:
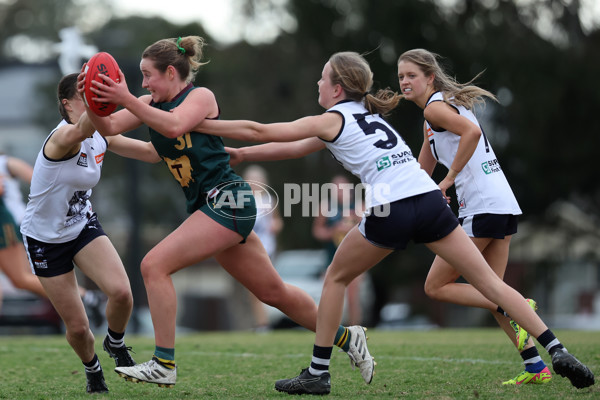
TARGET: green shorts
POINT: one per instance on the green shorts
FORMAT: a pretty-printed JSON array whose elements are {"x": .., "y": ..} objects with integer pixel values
[
  {"x": 9, "y": 234},
  {"x": 232, "y": 206}
]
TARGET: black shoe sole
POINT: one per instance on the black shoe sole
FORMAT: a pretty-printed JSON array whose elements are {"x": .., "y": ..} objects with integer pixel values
[
  {"x": 98, "y": 391},
  {"x": 298, "y": 392},
  {"x": 579, "y": 375}
]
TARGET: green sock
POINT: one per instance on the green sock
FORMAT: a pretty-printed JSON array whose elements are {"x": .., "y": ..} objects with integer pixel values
[
  {"x": 342, "y": 338},
  {"x": 165, "y": 353},
  {"x": 165, "y": 356}
]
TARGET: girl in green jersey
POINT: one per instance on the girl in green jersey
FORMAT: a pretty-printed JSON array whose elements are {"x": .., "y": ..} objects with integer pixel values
[{"x": 215, "y": 227}]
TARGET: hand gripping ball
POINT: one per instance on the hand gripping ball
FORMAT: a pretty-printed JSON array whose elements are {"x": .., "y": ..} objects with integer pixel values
[{"x": 100, "y": 63}]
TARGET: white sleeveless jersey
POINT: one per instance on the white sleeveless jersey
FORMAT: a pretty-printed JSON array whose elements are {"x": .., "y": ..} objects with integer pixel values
[
  {"x": 13, "y": 198},
  {"x": 59, "y": 204},
  {"x": 368, "y": 147},
  {"x": 481, "y": 186}
]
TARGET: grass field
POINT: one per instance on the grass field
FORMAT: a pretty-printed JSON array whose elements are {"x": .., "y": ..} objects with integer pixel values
[{"x": 438, "y": 364}]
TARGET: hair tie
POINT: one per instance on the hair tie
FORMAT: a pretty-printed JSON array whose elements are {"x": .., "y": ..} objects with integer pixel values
[
  {"x": 181, "y": 49},
  {"x": 365, "y": 94}
]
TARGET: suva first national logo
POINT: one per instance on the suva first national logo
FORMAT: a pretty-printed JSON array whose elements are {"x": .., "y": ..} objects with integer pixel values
[
  {"x": 383, "y": 163},
  {"x": 491, "y": 166}
]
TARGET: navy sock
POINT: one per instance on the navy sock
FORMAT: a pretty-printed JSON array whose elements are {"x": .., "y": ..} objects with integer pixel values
[
  {"x": 320, "y": 360},
  {"x": 115, "y": 339},
  {"x": 94, "y": 365},
  {"x": 116, "y": 335},
  {"x": 550, "y": 342}
]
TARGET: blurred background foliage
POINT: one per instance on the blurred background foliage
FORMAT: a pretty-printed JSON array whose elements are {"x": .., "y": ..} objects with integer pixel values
[{"x": 537, "y": 56}]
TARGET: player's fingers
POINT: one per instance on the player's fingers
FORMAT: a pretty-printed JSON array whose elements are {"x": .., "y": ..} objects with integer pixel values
[
  {"x": 100, "y": 100},
  {"x": 105, "y": 79},
  {"x": 80, "y": 83},
  {"x": 98, "y": 92}
]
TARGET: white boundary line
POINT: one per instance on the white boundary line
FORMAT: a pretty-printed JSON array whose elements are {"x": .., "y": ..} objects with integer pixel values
[{"x": 307, "y": 356}]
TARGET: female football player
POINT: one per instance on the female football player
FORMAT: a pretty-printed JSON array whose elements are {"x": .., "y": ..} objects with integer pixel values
[
  {"x": 13, "y": 259},
  {"x": 487, "y": 208},
  {"x": 221, "y": 206},
  {"x": 60, "y": 229}
]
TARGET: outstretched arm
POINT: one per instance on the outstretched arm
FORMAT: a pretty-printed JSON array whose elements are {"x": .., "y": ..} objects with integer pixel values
[
  {"x": 325, "y": 126},
  {"x": 133, "y": 148},
  {"x": 276, "y": 151},
  {"x": 199, "y": 104}
]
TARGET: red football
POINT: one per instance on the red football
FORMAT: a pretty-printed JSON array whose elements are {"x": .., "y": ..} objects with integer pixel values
[{"x": 100, "y": 63}]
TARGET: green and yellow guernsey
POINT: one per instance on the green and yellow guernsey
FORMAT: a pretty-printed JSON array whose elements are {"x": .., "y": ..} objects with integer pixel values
[
  {"x": 8, "y": 228},
  {"x": 197, "y": 161}
]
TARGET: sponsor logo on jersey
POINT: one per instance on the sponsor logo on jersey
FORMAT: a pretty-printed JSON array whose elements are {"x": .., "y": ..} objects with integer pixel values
[
  {"x": 99, "y": 158},
  {"x": 462, "y": 203},
  {"x": 82, "y": 162},
  {"x": 491, "y": 166},
  {"x": 383, "y": 163},
  {"x": 394, "y": 159},
  {"x": 401, "y": 158}
]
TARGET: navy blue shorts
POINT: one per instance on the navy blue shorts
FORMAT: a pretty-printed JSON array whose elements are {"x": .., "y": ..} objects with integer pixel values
[
  {"x": 495, "y": 226},
  {"x": 54, "y": 259},
  {"x": 424, "y": 218}
]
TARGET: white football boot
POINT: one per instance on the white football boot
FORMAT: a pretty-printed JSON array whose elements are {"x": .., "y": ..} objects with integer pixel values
[
  {"x": 359, "y": 353},
  {"x": 151, "y": 372}
]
